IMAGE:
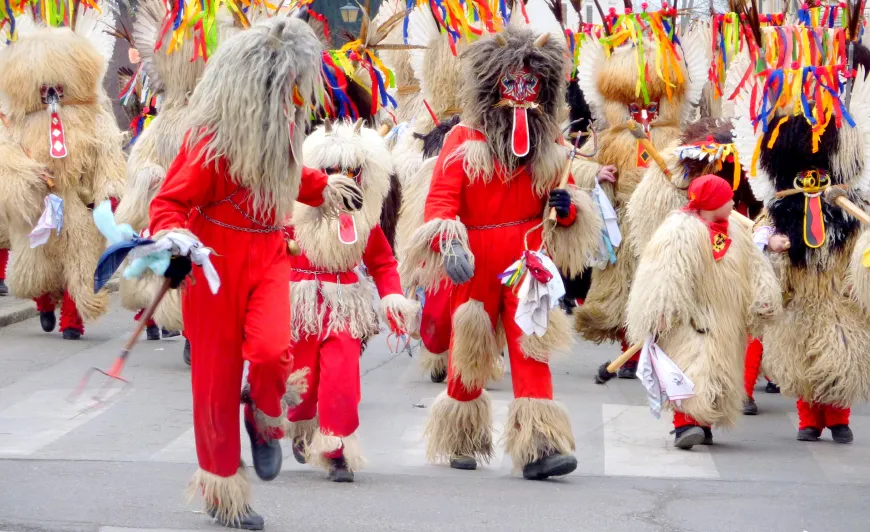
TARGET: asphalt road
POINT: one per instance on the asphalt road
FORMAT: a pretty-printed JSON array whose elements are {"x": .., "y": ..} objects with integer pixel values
[{"x": 124, "y": 466}]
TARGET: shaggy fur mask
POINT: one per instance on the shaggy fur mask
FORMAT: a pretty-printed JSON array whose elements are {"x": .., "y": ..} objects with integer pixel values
[{"x": 486, "y": 63}]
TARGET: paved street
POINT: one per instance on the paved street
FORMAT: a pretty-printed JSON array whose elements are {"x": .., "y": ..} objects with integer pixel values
[{"x": 125, "y": 466}]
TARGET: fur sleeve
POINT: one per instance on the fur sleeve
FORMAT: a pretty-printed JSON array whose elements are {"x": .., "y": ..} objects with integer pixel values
[
  {"x": 766, "y": 292},
  {"x": 570, "y": 247},
  {"x": 22, "y": 191},
  {"x": 663, "y": 290},
  {"x": 653, "y": 199},
  {"x": 861, "y": 274},
  {"x": 585, "y": 173},
  {"x": 109, "y": 165},
  {"x": 144, "y": 177},
  {"x": 423, "y": 264}
]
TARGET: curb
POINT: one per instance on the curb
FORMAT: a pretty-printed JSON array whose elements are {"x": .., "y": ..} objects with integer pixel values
[{"x": 24, "y": 310}]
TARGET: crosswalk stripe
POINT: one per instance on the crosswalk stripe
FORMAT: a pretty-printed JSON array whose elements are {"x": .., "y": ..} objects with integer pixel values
[
  {"x": 43, "y": 417},
  {"x": 636, "y": 444}
]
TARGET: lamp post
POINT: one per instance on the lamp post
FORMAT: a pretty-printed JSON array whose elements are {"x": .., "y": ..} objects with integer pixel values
[{"x": 349, "y": 13}]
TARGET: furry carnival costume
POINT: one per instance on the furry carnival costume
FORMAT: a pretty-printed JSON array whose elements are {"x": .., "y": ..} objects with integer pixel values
[
  {"x": 331, "y": 302},
  {"x": 60, "y": 153},
  {"x": 805, "y": 142},
  {"x": 701, "y": 283},
  {"x": 232, "y": 187},
  {"x": 661, "y": 102},
  {"x": 489, "y": 191}
]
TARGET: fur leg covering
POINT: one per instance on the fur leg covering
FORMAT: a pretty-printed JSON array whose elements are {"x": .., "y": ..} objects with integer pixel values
[
  {"x": 168, "y": 314},
  {"x": 302, "y": 430},
  {"x": 475, "y": 350},
  {"x": 860, "y": 275},
  {"x": 570, "y": 247},
  {"x": 230, "y": 496},
  {"x": 459, "y": 428},
  {"x": 557, "y": 339},
  {"x": 297, "y": 384},
  {"x": 536, "y": 427},
  {"x": 602, "y": 315},
  {"x": 325, "y": 443},
  {"x": 421, "y": 265},
  {"x": 431, "y": 362}
]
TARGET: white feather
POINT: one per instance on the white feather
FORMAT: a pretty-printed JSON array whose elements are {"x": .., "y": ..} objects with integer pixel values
[
  {"x": 92, "y": 25},
  {"x": 859, "y": 109},
  {"x": 697, "y": 56},
  {"x": 591, "y": 62},
  {"x": 745, "y": 140},
  {"x": 422, "y": 30}
]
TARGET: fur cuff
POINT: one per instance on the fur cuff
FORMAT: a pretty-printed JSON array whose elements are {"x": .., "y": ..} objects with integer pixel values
[
  {"x": 339, "y": 191},
  {"x": 269, "y": 427},
  {"x": 536, "y": 427},
  {"x": 859, "y": 273},
  {"x": 349, "y": 305},
  {"x": 422, "y": 266},
  {"x": 571, "y": 247},
  {"x": 297, "y": 385},
  {"x": 301, "y": 430},
  {"x": 558, "y": 338},
  {"x": 405, "y": 313},
  {"x": 324, "y": 443},
  {"x": 460, "y": 428},
  {"x": 475, "y": 350},
  {"x": 228, "y": 496},
  {"x": 431, "y": 362}
]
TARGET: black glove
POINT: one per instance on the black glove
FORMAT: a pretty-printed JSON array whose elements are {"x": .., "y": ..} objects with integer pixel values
[
  {"x": 561, "y": 201},
  {"x": 177, "y": 271}
]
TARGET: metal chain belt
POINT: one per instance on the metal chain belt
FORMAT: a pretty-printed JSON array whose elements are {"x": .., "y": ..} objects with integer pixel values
[
  {"x": 496, "y": 226},
  {"x": 264, "y": 228}
]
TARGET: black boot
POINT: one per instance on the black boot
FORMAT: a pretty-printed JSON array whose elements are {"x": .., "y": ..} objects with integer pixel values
[
  {"x": 267, "y": 456},
  {"x": 628, "y": 370},
  {"x": 809, "y": 434},
  {"x": 749, "y": 407},
  {"x": 71, "y": 334},
  {"x": 842, "y": 434},
  {"x": 170, "y": 334},
  {"x": 771, "y": 388},
  {"x": 299, "y": 451},
  {"x": 186, "y": 354},
  {"x": 708, "y": 436},
  {"x": 438, "y": 375},
  {"x": 466, "y": 463},
  {"x": 688, "y": 436},
  {"x": 4, "y": 290},
  {"x": 338, "y": 471},
  {"x": 550, "y": 465},
  {"x": 47, "y": 320},
  {"x": 152, "y": 332},
  {"x": 249, "y": 520}
]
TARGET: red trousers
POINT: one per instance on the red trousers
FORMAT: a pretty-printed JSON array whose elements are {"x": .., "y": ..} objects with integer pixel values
[
  {"x": 821, "y": 416},
  {"x": 333, "y": 382},
  {"x": 69, "y": 314},
  {"x": 151, "y": 322},
  {"x": 4, "y": 260},
  {"x": 752, "y": 367},
  {"x": 682, "y": 420},
  {"x": 435, "y": 325}
]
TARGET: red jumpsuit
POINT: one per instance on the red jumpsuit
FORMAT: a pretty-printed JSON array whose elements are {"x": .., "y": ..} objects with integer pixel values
[
  {"x": 331, "y": 355},
  {"x": 248, "y": 319},
  {"x": 435, "y": 326},
  {"x": 497, "y": 214},
  {"x": 4, "y": 260}
]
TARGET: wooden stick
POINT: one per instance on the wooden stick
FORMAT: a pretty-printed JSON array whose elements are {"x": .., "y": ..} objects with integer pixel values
[
  {"x": 856, "y": 211},
  {"x": 383, "y": 130},
  {"x": 623, "y": 358}
]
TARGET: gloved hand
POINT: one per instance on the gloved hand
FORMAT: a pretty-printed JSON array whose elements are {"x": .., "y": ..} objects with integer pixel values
[
  {"x": 457, "y": 264},
  {"x": 561, "y": 201},
  {"x": 177, "y": 271}
]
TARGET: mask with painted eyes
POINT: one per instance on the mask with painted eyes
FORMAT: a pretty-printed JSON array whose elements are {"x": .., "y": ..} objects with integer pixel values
[
  {"x": 351, "y": 173},
  {"x": 519, "y": 90},
  {"x": 644, "y": 115}
]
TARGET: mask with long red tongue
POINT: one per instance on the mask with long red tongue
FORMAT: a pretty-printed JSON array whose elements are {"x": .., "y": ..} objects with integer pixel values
[
  {"x": 519, "y": 90},
  {"x": 813, "y": 183},
  {"x": 346, "y": 228},
  {"x": 51, "y": 97}
]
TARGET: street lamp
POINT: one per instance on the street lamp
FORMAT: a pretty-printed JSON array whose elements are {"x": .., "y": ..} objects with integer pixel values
[{"x": 349, "y": 13}]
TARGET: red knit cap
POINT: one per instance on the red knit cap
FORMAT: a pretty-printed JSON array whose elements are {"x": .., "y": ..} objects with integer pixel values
[{"x": 709, "y": 192}]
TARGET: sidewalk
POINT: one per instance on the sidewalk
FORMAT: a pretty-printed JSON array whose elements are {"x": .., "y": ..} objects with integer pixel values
[{"x": 13, "y": 310}]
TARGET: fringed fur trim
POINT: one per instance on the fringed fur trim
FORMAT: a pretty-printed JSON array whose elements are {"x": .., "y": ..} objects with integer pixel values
[
  {"x": 858, "y": 273},
  {"x": 431, "y": 362},
  {"x": 421, "y": 265},
  {"x": 571, "y": 247},
  {"x": 326, "y": 443},
  {"x": 297, "y": 385},
  {"x": 405, "y": 313},
  {"x": 229, "y": 496},
  {"x": 475, "y": 351},
  {"x": 302, "y": 430},
  {"x": 477, "y": 160},
  {"x": 558, "y": 338},
  {"x": 536, "y": 427},
  {"x": 460, "y": 428},
  {"x": 268, "y": 426},
  {"x": 349, "y": 305}
]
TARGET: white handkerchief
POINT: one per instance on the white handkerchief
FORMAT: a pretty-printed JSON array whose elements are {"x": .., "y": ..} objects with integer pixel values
[{"x": 51, "y": 218}]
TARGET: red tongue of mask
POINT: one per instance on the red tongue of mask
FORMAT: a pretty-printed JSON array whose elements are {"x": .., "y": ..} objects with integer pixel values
[
  {"x": 814, "y": 222},
  {"x": 519, "y": 89},
  {"x": 347, "y": 233},
  {"x": 51, "y": 97}
]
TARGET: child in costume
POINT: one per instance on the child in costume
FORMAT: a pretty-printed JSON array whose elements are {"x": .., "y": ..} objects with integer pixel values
[{"x": 701, "y": 283}]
